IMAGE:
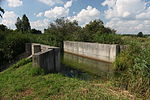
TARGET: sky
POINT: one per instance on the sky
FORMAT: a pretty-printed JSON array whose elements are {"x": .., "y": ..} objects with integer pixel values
[{"x": 125, "y": 16}]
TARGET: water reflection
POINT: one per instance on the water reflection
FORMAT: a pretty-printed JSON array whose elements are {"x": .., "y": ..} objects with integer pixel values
[{"x": 86, "y": 64}]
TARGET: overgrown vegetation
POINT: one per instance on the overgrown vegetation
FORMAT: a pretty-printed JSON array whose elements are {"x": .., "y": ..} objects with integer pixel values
[
  {"x": 133, "y": 69},
  {"x": 132, "y": 65},
  {"x": 27, "y": 83}
]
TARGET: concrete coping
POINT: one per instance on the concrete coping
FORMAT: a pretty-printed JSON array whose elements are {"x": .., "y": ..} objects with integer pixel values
[
  {"x": 47, "y": 46},
  {"x": 90, "y": 43},
  {"x": 42, "y": 52}
]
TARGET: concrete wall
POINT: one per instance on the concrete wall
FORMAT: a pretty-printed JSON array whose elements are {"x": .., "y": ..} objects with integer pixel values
[
  {"x": 104, "y": 52},
  {"x": 47, "y": 57}
]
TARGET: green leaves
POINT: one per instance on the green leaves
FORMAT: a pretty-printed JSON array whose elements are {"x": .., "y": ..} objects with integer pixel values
[{"x": 134, "y": 68}]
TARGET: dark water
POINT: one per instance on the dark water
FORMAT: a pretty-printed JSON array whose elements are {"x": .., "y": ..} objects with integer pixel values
[{"x": 87, "y": 65}]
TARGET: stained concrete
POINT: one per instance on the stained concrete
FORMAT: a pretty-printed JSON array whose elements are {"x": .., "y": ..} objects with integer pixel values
[
  {"x": 47, "y": 57},
  {"x": 104, "y": 52}
]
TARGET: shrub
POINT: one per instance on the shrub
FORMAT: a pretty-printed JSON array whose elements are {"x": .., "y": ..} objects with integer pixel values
[{"x": 107, "y": 38}]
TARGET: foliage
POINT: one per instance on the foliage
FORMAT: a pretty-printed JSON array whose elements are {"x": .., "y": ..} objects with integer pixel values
[
  {"x": 19, "y": 24},
  {"x": 34, "y": 31},
  {"x": 107, "y": 38},
  {"x": 23, "y": 24},
  {"x": 20, "y": 84},
  {"x": 3, "y": 27},
  {"x": 10, "y": 46},
  {"x": 63, "y": 29},
  {"x": 133, "y": 67},
  {"x": 140, "y": 34}
]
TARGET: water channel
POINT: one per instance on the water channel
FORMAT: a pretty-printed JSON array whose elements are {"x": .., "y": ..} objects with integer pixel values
[{"x": 87, "y": 65}]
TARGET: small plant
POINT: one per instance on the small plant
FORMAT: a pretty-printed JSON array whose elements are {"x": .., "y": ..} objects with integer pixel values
[{"x": 34, "y": 71}]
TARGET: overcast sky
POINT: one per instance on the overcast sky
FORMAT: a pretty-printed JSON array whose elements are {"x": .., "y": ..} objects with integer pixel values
[{"x": 126, "y": 16}]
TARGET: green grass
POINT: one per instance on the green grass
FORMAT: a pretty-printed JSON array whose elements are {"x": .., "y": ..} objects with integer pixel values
[{"x": 25, "y": 82}]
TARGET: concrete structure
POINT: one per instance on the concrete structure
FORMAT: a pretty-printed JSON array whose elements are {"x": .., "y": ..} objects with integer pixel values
[
  {"x": 47, "y": 57},
  {"x": 103, "y": 52}
]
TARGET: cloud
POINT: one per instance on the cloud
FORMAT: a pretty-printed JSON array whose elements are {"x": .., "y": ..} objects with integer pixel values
[
  {"x": 68, "y": 4},
  {"x": 9, "y": 19},
  {"x": 145, "y": 15},
  {"x": 14, "y": 3},
  {"x": 123, "y": 8},
  {"x": 86, "y": 15},
  {"x": 51, "y": 2},
  {"x": 39, "y": 14},
  {"x": 57, "y": 12},
  {"x": 40, "y": 24},
  {"x": 129, "y": 26},
  {"x": 127, "y": 16}
]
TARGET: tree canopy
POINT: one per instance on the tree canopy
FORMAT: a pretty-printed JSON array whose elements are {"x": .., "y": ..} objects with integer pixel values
[
  {"x": 140, "y": 34},
  {"x": 23, "y": 24}
]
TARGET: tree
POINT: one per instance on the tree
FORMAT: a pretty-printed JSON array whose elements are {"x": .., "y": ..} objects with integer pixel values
[
  {"x": 1, "y": 10},
  {"x": 25, "y": 24},
  {"x": 3, "y": 27},
  {"x": 62, "y": 29},
  {"x": 140, "y": 34},
  {"x": 19, "y": 24}
]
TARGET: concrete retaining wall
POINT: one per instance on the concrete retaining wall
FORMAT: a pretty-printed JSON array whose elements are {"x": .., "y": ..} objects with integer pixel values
[
  {"x": 104, "y": 52},
  {"x": 47, "y": 57}
]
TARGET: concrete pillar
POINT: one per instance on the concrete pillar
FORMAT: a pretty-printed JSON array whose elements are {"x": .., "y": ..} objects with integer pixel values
[{"x": 36, "y": 48}]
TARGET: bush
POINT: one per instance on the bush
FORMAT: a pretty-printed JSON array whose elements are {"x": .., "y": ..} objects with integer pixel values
[{"x": 107, "y": 38}]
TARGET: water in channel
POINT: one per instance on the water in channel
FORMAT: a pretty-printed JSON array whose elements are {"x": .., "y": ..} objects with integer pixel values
[{"x": 87, "y": 65}]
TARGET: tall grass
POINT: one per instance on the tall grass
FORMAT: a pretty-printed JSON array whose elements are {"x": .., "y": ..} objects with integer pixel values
[{"x": 133, "y": 69}]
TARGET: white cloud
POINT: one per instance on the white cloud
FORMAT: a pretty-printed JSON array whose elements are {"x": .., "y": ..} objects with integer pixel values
[
  {"x": 9, "y": 19},
  {"x": 123, "y": 8},
  {"x": 14, "y": 3},
  {"x": 86, "y": 15},
  {"x": 68, "y": 4},
  {"x": 129, "y": 26},
  {"x": 51, "y": 2},
  {"x": 58, "y": 12},
  {"x": 128, "y": 16},
  {"x": 40, "y": 24},
  {"x": 39, "y": 14}
]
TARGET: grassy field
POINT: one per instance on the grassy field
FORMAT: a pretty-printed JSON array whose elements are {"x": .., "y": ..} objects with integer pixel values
[{"x": 24, "y": 82}]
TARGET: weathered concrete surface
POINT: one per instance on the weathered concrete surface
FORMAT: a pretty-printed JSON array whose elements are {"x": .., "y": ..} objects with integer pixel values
[
  {"x": 47, "y": 57},
  {"x": 36, "y": 48},
  {"x": 104, "y": 52},
  {"x": 45, "y": 60}
]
